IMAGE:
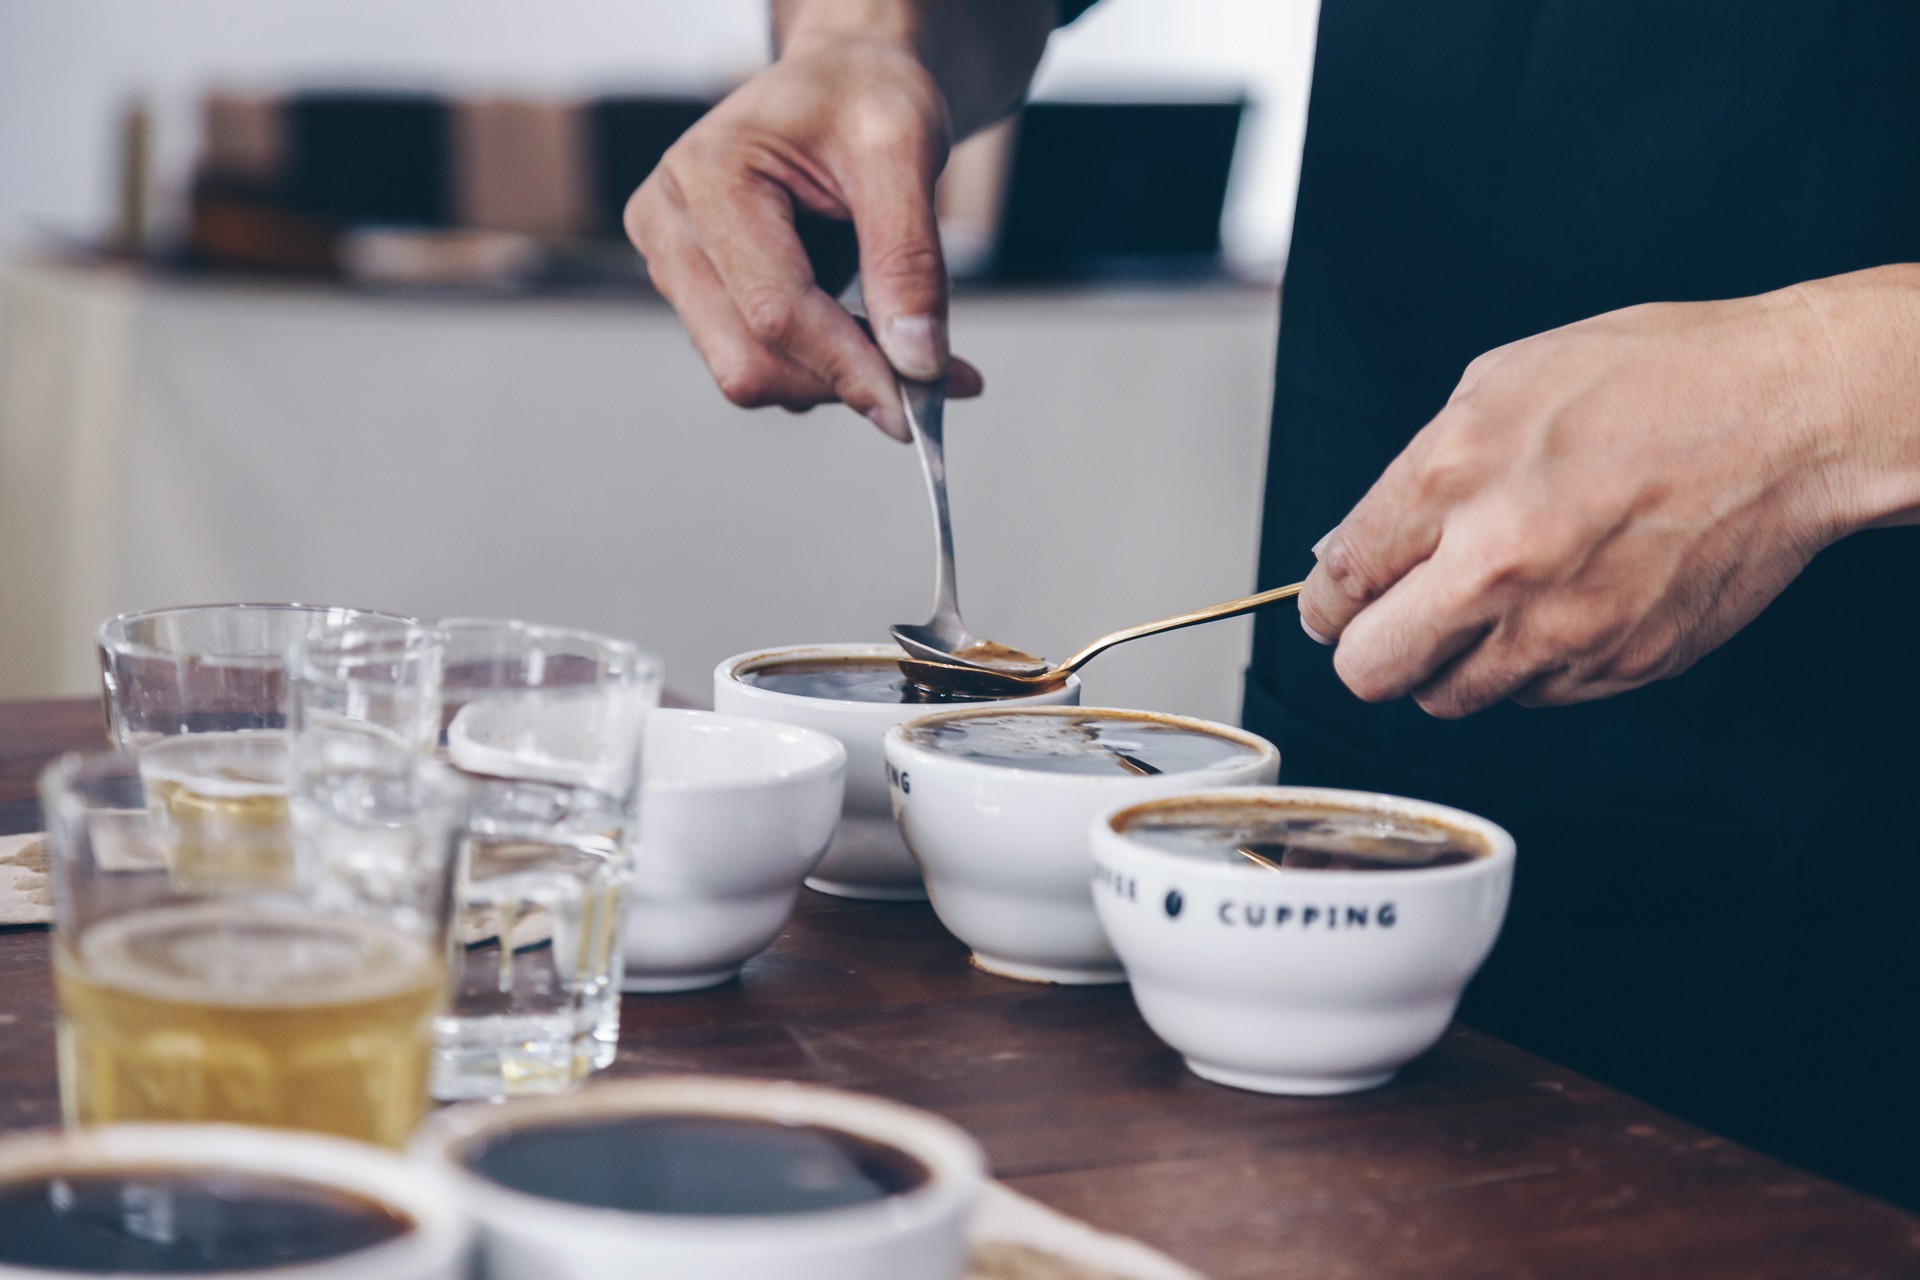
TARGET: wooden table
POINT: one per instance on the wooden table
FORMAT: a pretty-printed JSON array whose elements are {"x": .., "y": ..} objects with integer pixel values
[{"x": 1479, "y": 1161}]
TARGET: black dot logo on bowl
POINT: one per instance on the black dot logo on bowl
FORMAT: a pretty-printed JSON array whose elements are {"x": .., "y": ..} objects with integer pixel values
[{"x": 1174, "y": 903}]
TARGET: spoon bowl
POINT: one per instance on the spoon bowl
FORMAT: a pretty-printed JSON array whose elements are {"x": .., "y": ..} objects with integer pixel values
[{"x": 968, "y": 651}]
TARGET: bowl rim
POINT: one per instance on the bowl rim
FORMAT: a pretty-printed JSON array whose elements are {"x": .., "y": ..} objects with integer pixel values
[
  {"x": 441, "y": 1230},
  {"x": 955, "y": 1163},
  {"x": 1500, "y": 847},
  {"x": 1265, "y": 752},
  {"x": 833, "y": 760},
  {"x": 729, "y": 671},
  {"x": 109, "y": 634}
]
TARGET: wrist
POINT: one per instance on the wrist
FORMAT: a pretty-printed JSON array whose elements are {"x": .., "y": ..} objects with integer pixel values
[
  {"x": 1859, "y": 347},
  {"x": 802, "y": 27}
]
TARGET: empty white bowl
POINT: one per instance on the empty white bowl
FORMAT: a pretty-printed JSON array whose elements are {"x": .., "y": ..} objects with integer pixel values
[
  {"x": 1294, "y": 980},
  {"x": 1004, "y": 847},
  {"x": 867, "y": 858},
  {"x": 734, "y": 813}
]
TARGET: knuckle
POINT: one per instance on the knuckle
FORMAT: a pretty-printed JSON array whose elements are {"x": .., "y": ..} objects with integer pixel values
[
  {"x": 1361, "y": 676},
  {"x": 1535, "y": 698},
  {"x": 1643, "y": 662},
  {"x": 636, "y": 217},
  {"x": 1481, "y": 366},
  {"x": 746, "y": 382},
  {"x": 914, "y": 260},
  {"x": 1501, "y": 558},
  {"x": 770, "y": 313},
  {"x": 1443, "y": 702},
  {"x": 1349, "y": 571},
  {"x": 892, "y": 125},
  {"x": 659, "y": 273},
  {"x": 1448, "y": 459}
]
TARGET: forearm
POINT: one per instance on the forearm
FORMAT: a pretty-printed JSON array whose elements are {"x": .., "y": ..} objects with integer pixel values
[
  {"x": 1864, "y": 331},
  {"x": 982, "y": 53}
]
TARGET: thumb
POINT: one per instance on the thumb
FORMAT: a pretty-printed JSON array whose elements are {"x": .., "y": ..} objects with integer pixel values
[{"x": 903, "y": 276}]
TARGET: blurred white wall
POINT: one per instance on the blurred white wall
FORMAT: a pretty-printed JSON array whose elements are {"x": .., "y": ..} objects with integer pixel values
[{"x": 66, "y": 66}]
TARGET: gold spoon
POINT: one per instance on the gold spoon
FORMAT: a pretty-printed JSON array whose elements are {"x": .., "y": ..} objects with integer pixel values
[
  {"x": 1257, "y": 858},
  {"x": 979, "y": 682}
]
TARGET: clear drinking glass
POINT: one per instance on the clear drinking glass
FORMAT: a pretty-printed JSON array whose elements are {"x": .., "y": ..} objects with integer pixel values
[
  {"x": 371, "y": 676},
  {"x": 210, "y": 668},
  {"x": 302, "y": 1000},
  {"x": 204, "y": 691},
  {"x": 547, "y": 726}
]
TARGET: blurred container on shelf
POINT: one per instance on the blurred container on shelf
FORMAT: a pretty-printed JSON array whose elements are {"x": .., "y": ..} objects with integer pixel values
[
  {"x": 519, "y": 193},
  {"x": 1117, "y": 190}
]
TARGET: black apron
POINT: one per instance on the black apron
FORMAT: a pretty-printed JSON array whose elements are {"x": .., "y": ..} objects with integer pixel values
[{"x": 1716, "y": 872}]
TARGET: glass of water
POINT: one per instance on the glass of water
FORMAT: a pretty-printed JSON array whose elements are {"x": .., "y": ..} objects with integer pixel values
[
  {"x": 547, "y": 725},
  {"x": 373, "y": 676},
  {"x": 208, "y": 668}
]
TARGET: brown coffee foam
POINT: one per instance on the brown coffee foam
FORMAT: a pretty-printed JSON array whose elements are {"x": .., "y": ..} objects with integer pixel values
[
  {"x": 1232, "y": 811},
  {"x": 1191, "y": 724}
]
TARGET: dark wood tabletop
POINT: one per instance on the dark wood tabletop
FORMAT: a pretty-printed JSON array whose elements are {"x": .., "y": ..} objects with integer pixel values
[{"x": 1479, "y": 1161}]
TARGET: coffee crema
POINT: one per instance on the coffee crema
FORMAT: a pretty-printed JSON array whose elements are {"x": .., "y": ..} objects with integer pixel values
[
  {"x": 183, "y": 1220},
  {"x": 696, "y": 1165},
  {"x": 1300, "y": 837},
  {"x": 1091, "y": 742},
  {"x": 849, "y": 679}
]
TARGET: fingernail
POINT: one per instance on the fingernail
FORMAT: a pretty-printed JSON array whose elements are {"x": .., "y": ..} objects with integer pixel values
[
  {"x": 1320, "y": 546},
  {"x": 1317, "y": 637},
  {"x": 891, "y": 421},
  {"x": 917, "y": 346}
]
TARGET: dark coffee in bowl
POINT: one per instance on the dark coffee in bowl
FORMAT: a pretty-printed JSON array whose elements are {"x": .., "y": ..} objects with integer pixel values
[
  {"x": 1303, "y": 837},
  {"x": 847, "y": 679},
  {"x": 699, "y": 1165},
  {"x": 1100, "y": 743},
  {"x": 183, "y": 1220}
]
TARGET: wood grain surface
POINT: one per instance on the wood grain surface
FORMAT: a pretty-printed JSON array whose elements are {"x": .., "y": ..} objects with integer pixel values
[{"x": 1479, "y": 1161}]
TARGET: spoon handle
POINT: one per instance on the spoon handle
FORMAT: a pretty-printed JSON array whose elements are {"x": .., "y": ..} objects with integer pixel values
[
  {"x": 925, "y": 403},
  {"x": 1212, "y": 613}
]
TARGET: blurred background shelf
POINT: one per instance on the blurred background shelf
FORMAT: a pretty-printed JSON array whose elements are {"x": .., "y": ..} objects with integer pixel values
[
  {"x": 165, "y": 440},
  {"x": 195, "y": 404}
]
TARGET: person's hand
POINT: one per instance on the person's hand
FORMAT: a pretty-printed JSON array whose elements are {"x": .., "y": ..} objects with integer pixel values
[
  {"x": 1599, "y": 506},
  {"x": 846, "y": 128}
]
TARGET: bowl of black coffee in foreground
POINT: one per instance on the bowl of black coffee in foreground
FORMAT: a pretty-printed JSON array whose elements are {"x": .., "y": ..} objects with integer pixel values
[
  {"x": 707, "y": 1178},
  {"x": 167, "y": 1200},
  {"x": 1299, "y": 939}
]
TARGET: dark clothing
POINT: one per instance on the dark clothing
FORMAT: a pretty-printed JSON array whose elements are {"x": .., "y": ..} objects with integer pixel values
[{"x": 1716, "y": 871}]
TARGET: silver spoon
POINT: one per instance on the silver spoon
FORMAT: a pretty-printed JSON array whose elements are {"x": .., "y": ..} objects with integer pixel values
[{"x": 944, "y": 638}]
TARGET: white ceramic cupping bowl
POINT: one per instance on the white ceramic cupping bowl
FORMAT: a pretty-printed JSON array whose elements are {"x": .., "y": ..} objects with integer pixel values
[
  {"x": 918, "y": 1235},
  {"x": 1299, "y": 981},
  {"x": 437, "y": 1248},
  {"x": 1004, "y": 849},
  {"x": 733, "y": 815},
  {"x": 867, "y": 858}
]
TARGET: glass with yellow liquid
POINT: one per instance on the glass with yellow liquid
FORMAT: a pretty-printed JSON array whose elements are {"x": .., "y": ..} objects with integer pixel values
[{"x": 194, "y": 987}]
